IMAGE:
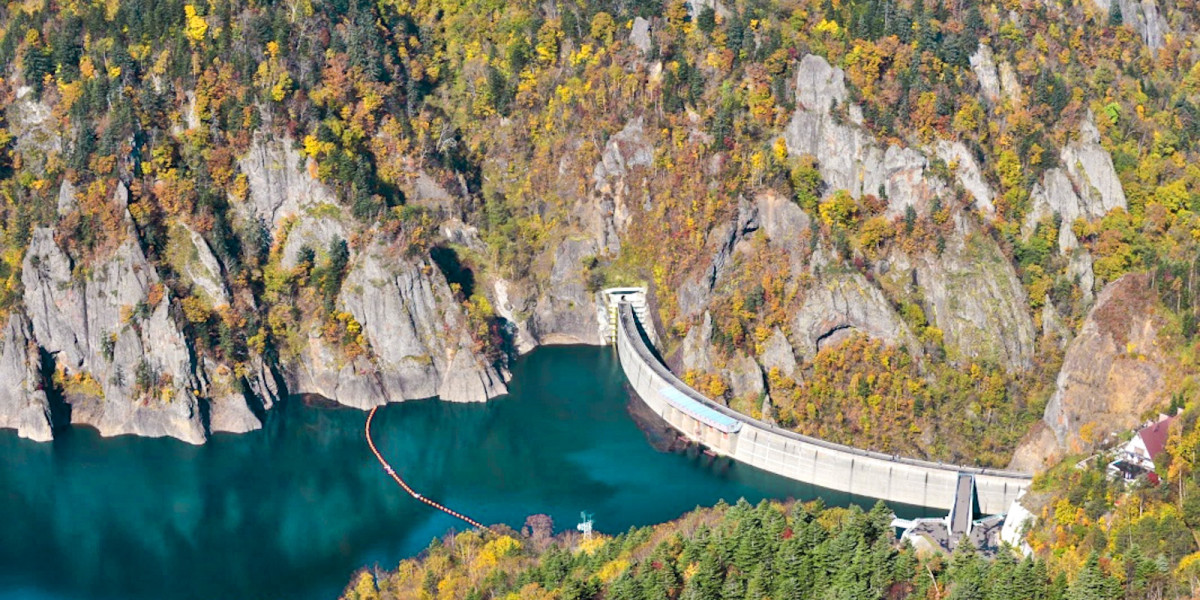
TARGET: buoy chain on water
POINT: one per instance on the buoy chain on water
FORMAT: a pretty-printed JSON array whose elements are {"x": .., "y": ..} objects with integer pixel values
[{"x": 392, "y": 472}]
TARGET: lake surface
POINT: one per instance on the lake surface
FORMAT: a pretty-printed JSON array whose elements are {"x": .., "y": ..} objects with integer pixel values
[{"x": 292, "y": 510}]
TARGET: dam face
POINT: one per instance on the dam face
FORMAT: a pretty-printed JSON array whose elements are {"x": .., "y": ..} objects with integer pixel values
[{"x": 803, "y": 458}]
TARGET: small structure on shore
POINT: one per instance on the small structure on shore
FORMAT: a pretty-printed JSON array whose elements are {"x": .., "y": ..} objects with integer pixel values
[
  {"x": 1136, "y": 457},
  {"x": 959, "y": 526}
]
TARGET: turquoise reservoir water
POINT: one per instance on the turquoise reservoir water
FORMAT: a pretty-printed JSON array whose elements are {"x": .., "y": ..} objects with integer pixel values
[{"x": 292, "y": 510}]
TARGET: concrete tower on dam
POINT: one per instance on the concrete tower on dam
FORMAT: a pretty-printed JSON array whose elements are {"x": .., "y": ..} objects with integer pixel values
[{"x": 799, "y": 457}]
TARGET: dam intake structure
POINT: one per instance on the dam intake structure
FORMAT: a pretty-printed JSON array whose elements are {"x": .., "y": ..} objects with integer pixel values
[{"x": 803, "y": 458}]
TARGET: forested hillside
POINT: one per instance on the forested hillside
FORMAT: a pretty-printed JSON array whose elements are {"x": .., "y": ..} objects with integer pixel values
[
  {"x": 879, "y": 222},
  {"x": 953, "y": 230},
  {"x": 768, "y": 551}
]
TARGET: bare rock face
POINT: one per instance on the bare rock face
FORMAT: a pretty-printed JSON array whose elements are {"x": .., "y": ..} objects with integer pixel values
[
  {"x": 985, "y": 71},
  {"x": 745, "y": 377},
  {"x": 848, "y": 156},
  {"x": 1008, "y": 82},
  {"x": 23, "y": 402},
  {"x": 839, "y": 304},
  {"x": 639, "y": 35},
  {"x": 978, "y": 301},
  {"x": 968, "y": 173},
  {"x": 777, "y": 354},
  {"x": 130, "y": 366},
  {"x": 418, "y": 335},
  {"x": 1113, "y": 372},
  {"x": 287, "y": 199},
  {"x": 1091, "y": 168},
  {"x": 565, "y": 311},
  {"x": 995, "y": 85},
  {"x": 238, "y": 399},
  {"x": 605, "y": 214},
  {"x": 1145, "y": 19},
  {"x": 694, "y": 295},
  {"x": 324, "y": 370},
  {"x": 697, "y": 348},
  {"x": 1086, "y": 186},
  {"x": 279, "y": 181},
  {"x": 66, "y": 197},
  {"x": 194, "y": 260},
  {"x": 508, "y": 304},
  {"x": 37, "y": 136}
]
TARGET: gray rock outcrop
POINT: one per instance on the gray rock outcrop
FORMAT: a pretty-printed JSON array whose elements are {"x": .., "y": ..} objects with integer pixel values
[
  {"x": 66, "y": 197},
  {"x": 984, "y": 68},
  {"x": 130, "y": 366},
  {"x": 418, "y": 337},
  {"x": 200, "y": 267},
  {"x": 968, "y": 173},
  {"x": 639, "y": 34},
  {"x": 36, "y": 133},
  {"x": 694, "y": 295},
  {"x": 745, "y": 377},
  {"x": 1144, "y": 17},
  {"x": 848, "y": 156},
  {"x": 23, "y": 402},
  {"x": 977, "y": 301},
  {"x": 786, "y": 226},
  {"x": 1085, "y": 187},
  {"x": 995, "y": 83},
  {"x": 697, "y": 347},
  {"x": 840, "y": 304},
  {"x": 283, "y": 190},
  {"x": 279, "y": 181},
  {"x": 777, "y": 354},
  {"x": 565, "y": 311}
]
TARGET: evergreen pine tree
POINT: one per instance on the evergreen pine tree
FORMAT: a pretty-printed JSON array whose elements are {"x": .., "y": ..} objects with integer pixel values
[{"x": 1115, "y": 17}]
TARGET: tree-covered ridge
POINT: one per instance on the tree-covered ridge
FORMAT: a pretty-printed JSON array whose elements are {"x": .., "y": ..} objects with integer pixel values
[
  {"x": 727, "y": 552},
  {"x": 510, "y": 107},
  {"x": 1147, "y": 533}
]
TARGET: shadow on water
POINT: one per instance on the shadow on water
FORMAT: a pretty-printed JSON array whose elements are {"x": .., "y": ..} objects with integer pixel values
[{"x": 292, "y": 510}]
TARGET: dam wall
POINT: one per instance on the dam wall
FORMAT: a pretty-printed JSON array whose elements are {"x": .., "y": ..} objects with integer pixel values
[{"x": 799, "y": 457}]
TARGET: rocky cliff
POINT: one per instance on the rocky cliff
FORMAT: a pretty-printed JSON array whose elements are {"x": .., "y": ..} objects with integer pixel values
[
  {"x": 23, "y": 402},
  {"x": 419, "y": 341},
  {"x": 125, "y": 363},
  {"x": 1113, "y": 373}
]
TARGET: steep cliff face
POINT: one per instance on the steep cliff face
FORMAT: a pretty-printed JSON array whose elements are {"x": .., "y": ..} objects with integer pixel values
[
  {"x": 420, "y": 342},
  {"x": 840, "y": 304},
  {"x": 977, "y": 300},
  {"x": 1113, "y": 372},
  {"x": 285, "y": 198},
  {"x": 1145, "y": 18},
  {"x": 974, "y": 294},
  {"x": 127, "y": 365},
  {"x": 23, "y": 402},
  {"x": 996, "y": 85},
  {"x": 1085, "y": 187},
  {"x": 848, "y": 156}
]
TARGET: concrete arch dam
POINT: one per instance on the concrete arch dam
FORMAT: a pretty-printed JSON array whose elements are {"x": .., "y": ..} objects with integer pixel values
[{"x": 799, "y": 457}]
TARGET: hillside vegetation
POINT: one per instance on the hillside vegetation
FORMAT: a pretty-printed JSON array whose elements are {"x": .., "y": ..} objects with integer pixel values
[
  {"x": 727, "y": 552},
  {"x": 916, "y": 299}
]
